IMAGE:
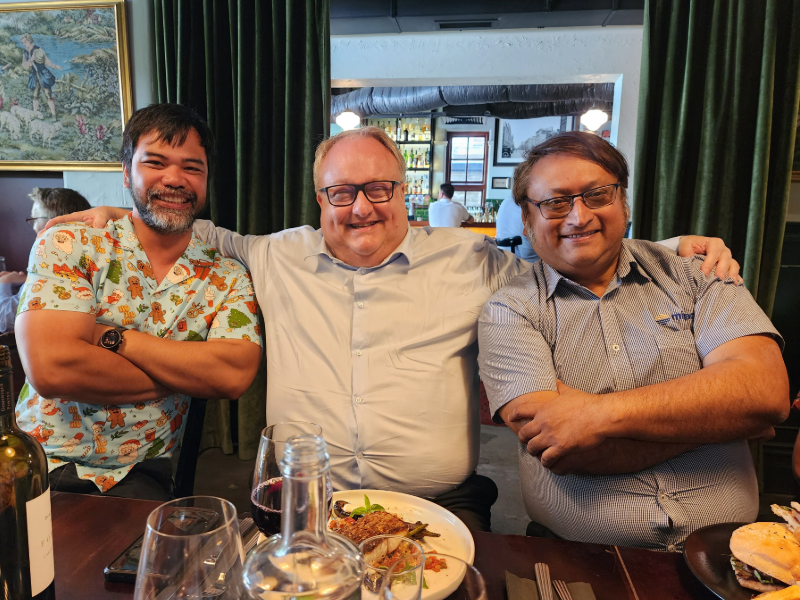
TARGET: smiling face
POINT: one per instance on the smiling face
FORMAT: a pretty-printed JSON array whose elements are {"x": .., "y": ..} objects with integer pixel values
[
  {"x": 584, "y": 245},
  {"x": 168, "y": 183},
  {"x": 362, "y": 234}
]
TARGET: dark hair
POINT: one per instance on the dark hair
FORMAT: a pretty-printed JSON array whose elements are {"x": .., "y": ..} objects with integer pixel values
[
  {"x": 59, "y": 201},
  {"x": 580, "y": 144},
  {"x": 447, "y": 189},
  {"x": 173, "y": 122}
]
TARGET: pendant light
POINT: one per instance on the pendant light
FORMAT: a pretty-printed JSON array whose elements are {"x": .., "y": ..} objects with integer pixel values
[
  {"x": 592, "y": 119},
  {"x": 348, "y": 120}
]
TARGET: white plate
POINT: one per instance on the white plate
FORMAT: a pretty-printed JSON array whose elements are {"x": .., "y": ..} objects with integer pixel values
[{"x": 455, "y": 540}]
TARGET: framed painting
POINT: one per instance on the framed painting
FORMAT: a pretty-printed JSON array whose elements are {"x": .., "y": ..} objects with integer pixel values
[
  {"x": 65, "y": 90},
  {"x": 514, "y": 137}
]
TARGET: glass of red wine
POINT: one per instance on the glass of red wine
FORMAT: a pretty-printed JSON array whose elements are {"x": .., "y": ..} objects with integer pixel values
[{"x": 265, "y": 497}]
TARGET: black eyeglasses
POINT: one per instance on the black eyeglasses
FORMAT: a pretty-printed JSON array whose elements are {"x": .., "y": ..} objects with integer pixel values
[
  {"x": 32, "y": 220},
  {"x": 345, "y": 194},
  {"x": 560, "y": 207}
]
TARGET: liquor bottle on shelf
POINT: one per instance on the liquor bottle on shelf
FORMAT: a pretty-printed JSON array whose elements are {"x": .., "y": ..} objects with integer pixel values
[
  {"x": 405, "y": 132},
  {"x": 305, "y": 560},
  {"x": 26, "y": 554},
  {"x": 428, "y": 159}
]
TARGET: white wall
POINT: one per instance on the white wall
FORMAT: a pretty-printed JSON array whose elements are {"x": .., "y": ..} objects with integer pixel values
[
  {"x": 579, "y": 55},
  {"x": 106, "y": 187}
]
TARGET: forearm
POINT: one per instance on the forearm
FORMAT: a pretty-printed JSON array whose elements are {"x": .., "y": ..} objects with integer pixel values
[
  {"x": 210, "y": 369},
  {"x": 8, "y": 308},
  {"x": 722, "y": 402},
  {"x": 618, "y": 456},
  {"x": 92, "y": 375}
]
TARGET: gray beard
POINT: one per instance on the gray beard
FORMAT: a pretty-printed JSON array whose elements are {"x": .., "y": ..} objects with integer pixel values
[{"x": 164, "y": 220}]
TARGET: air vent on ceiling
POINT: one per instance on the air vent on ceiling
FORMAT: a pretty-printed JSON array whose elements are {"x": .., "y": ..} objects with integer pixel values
[
  {"x": 465, "y": 24},
  {"x": 463, "y": 121}
]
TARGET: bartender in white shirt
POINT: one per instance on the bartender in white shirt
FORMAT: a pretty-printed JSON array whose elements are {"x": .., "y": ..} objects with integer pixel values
[{"x": 446, "y": 213}]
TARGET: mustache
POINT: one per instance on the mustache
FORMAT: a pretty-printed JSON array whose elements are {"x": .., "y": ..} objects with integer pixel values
[{"x": 153, "y": 193}]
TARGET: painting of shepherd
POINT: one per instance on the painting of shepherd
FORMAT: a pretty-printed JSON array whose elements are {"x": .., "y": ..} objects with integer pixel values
[{"x": 64, "y": 85}]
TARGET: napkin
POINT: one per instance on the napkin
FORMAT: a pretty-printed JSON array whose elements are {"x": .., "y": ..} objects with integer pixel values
[{"x": 525, "y": 589}]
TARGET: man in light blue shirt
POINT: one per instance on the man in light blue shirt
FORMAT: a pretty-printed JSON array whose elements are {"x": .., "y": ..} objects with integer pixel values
[{"x": 509, "y": 224}]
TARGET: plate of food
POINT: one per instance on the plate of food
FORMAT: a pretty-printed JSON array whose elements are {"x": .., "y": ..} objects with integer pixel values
[
  {"x": 736, "y": 561},
  {"x": 360, "y": 514}
]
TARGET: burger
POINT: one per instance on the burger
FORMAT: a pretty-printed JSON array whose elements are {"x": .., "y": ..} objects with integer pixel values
[{"x": 766, "y": 558}]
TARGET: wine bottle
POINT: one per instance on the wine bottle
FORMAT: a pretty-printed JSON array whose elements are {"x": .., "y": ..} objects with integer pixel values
[
  {"x": 405, "y": 132},
  {"x": 26, "y": 552},
  {"x": 305, "y": 560}
]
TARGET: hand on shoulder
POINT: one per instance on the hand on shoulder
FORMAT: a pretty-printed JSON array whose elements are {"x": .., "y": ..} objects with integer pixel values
[{"x": 94, "y": 217}]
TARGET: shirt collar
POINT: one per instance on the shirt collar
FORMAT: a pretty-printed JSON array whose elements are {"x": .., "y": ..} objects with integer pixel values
[
  {"x": 405, "y": 248},
  {"x": 627, "y": 263},
  {"x": 196, "y": 256}
]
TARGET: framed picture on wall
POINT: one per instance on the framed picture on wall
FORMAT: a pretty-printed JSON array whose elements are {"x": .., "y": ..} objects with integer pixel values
[
  {"x": 65, "y": 88},
  {"x": 514, "y": 137}
]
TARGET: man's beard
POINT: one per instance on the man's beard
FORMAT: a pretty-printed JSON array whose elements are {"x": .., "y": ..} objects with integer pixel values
[{"x": 164, "y": 220}]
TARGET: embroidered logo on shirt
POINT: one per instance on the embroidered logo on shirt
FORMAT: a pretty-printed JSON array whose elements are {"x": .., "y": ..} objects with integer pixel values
[{"x": 663, "y": 319}]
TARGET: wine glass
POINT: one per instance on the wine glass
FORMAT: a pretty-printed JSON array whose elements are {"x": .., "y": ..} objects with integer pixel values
[
  {"x": 265, "y": 496},
  {"x": 192, "y": 550},
  {"x": 382, "y": 551},
  {"x": 447, "y": 576}
]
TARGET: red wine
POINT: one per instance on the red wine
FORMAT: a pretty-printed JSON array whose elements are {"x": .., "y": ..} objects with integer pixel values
[
  {"x": 265, "y": 501},
  {"x": 26, "y": 528}
]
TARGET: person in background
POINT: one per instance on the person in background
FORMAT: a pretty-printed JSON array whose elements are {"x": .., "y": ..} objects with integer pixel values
[
  {"x": 446, "y": 213},
  {"x": 371, "y": 327},
  {"x": 107, "y": 316},
  {"x": 47, "y": 204},
  {"x": 632, "y": 378},
  {"x": 509, "y": 224}
]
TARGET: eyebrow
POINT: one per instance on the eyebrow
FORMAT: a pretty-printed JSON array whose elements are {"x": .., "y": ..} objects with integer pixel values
[
  {"x": 163, "y": 157},
  {"x": 565, "y": 192}
]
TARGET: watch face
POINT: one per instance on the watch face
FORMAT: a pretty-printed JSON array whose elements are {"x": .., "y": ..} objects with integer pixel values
[{"x": 111, "y": 339}]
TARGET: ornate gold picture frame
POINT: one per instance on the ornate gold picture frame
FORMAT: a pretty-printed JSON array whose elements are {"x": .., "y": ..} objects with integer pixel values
[{"x": 65, "y": 91}]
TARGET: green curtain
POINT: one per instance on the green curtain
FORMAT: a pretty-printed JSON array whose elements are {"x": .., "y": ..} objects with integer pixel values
[
  {"x": 720, "y": 85},
  {"x": 259, "y": 72}
]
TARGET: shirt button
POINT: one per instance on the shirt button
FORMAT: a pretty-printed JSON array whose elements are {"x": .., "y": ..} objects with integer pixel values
[
  {"x": 360, "y": 456},
  {"x": 359, "y": 399},
  {"x": 362, "y": 271},
  {"x": 662, "y": 496},
  {"x": 672, "y": 548},
  {"x": 615, "y": 347},
  {"x": 360, "y": 305},
  {"x": 358, "y": 352}
]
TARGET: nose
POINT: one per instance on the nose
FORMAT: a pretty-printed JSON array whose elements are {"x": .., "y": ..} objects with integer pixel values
[
  {"x": 362, "y": 206},
  {"x": 173, "y": 176},
  {"x": 579, "y": 216}
]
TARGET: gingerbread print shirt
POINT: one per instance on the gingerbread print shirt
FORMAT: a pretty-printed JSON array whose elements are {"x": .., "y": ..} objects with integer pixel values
[{"x": 106, "y": 273}]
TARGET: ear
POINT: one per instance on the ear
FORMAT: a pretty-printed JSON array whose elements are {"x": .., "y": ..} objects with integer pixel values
[{"x": 126, "y": 179}]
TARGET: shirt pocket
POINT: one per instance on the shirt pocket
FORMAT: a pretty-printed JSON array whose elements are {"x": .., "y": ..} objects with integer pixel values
[{"x": 678, "y": 354}]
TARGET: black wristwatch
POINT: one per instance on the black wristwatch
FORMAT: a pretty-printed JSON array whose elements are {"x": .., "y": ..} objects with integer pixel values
[{"x": 111, "y": 339}]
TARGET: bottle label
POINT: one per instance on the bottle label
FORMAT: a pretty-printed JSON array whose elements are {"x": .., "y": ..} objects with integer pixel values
[{"x": 40, "y": 542}]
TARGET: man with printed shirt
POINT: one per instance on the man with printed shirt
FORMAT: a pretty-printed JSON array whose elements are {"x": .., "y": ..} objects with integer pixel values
[
  {"x": 371, "y": 327},
  {"x": 105, "y": 313},
  {"x": 632, "y": 378}
]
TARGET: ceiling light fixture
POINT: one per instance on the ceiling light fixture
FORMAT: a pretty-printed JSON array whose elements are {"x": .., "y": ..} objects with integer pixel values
[
  {"x": 348, "y": 120},
  {"x": 592, "y": 119}
]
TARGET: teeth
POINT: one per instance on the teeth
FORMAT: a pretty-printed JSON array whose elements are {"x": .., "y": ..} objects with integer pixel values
[{"x": 361, "y": 225}]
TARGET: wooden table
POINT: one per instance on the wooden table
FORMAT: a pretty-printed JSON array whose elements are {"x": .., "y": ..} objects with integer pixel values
[{"x": 90, "y": 531}]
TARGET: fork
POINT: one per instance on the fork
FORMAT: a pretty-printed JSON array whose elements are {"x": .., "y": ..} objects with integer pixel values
[
  {"x": 562, "y": 589},
  {"x": 543, "y": 581}
]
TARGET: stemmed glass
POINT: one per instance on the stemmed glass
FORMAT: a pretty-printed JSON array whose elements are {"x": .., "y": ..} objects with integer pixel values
[
  {"x": 191, "y": 550},
  {"x": 407, "y": 556},
  {"x": 265, "y": 496},
  {"x": 448, "y": 576}
]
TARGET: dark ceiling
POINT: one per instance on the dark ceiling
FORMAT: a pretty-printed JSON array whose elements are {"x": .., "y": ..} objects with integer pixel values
[{"x": 350, "y": 17}]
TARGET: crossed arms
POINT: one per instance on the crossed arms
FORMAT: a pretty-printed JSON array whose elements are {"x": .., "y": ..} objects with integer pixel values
[{"x": 740, "y": 393}]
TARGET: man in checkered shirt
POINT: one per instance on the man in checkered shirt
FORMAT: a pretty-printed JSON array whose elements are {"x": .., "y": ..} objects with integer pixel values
[{"x": 632, "y": 379}]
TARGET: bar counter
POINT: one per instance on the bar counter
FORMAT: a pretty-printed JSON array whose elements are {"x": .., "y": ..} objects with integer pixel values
[{"x": 489, "y": 229}]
